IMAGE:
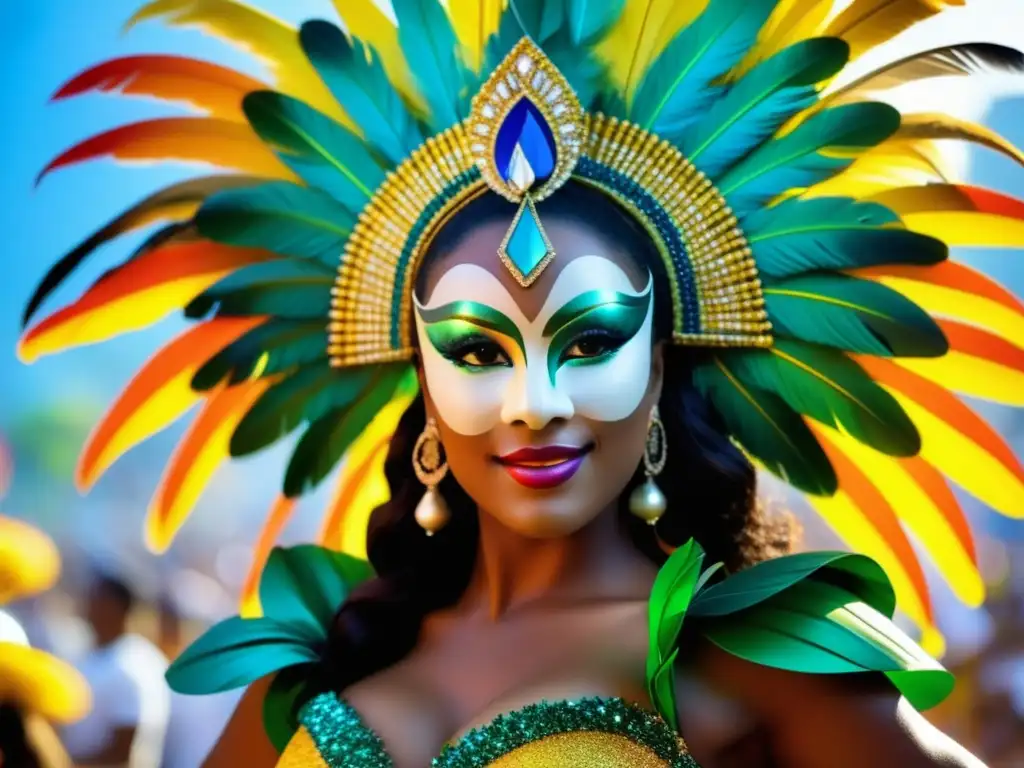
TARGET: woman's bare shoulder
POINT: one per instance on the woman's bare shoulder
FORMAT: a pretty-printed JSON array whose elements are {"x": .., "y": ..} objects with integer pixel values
[{"x": 244, "y": 740}]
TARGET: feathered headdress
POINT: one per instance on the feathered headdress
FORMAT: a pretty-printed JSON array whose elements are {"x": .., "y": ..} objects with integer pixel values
[{"x": 804, "y": 231}]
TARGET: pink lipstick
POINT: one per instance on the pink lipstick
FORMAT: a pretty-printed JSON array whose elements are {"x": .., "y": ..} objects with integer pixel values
[{"x": 545, "y": 466}]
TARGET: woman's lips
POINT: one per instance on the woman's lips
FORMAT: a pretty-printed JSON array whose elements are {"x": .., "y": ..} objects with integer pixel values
[{"x": 545, "y": 466}]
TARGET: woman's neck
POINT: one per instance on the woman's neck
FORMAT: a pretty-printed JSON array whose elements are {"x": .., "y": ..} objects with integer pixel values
[{"x": 514, "y": 571}]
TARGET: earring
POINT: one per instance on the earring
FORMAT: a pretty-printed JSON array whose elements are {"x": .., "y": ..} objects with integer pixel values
[
  {"x": 647, "y": 501},
  {"x": 431, "y": 513}
]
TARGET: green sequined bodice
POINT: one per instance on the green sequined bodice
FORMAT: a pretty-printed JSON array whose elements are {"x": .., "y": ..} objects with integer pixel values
[{"x": 344, "y": 741}]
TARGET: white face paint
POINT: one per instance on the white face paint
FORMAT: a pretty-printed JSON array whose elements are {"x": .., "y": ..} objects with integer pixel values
[{"x": 547, "y": 374}]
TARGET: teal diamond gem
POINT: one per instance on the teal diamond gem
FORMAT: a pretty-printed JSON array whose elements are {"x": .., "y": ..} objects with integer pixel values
[{"x": 526, "y": 251}]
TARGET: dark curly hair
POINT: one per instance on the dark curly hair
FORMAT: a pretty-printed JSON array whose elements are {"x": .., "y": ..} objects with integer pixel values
[{"x": 709, "y": 483}]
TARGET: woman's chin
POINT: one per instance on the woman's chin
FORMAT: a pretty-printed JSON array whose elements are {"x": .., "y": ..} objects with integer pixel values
[{"x": 550, "y": 512}]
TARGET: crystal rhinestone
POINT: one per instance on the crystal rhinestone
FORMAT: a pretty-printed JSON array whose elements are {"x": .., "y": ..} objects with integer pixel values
[
  {"x": 525, "y": 127},
  {"x": 513, "y": 81},
  {"x": 523, "y": 64},
  {"x": 559, "y": 109},
  {"x": 478, "y": 148},
  {"x": 487, "y": 111},
  {"x": 554, "y": 93},
  {"x": 502, "y": 89},
  {"x": 482, "y": 129},
  {"x": 526, "y": 247},
  {"x": 567, "y": 128},
  {"x": 539, "y": 79}
]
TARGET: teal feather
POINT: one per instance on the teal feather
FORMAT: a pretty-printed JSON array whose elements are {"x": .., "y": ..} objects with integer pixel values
[
  {"x": 331, "y": 435},
  {"x": 833, "y": 233},
  {"x": 852, "y": 314},
  {"x": 795, "y": 161},
  {"x": 303, "y": 301},
  {"x": 286, "y": 344},
  {"x": 359, "y": 83},
  {"x": 432, "y": 48},
  {"x": 758, "y": 105},
  {"x": 678, "y": 86},
  {"x": 539, "y": 19},
  {"x": 305, "y": 396},
  {"x": 768, "y": 428},
  {"x": 280, "y": 277},
  {"x": 312, "y": 145},
  {"x": 827, "y": 386},
  {"x": 590, "y": 19},
  {"x": 281, "y": 217}
]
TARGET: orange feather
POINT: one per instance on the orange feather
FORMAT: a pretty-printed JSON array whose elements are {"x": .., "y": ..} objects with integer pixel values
[
  {"x": 136, "y": 295},
  {"x": 211, "y": 140},
  {"x": 207, "y": 87},
  {"x": 351, "y": 483},
  {"x": 158, "y": 395},
  {"x": 934, "y": 485},
  {"x": 278, "y": 518},
  {"x": 200, "y": 452}
]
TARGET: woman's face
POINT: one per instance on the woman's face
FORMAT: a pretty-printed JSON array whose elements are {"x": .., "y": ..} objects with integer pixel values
[{"x": 543, "y": 394}]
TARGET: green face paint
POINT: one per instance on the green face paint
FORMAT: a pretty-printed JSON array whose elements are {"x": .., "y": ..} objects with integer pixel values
[
  {"x": 456, "y": 331},
  {"x": 591, "y": 328}
]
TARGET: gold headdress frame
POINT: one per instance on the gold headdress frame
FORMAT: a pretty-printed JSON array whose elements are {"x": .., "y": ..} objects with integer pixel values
[{"x": 716, "y": 292}]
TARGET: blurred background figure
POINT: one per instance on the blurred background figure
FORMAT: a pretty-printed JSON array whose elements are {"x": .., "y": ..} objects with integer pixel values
[{"x": 128, "y": 722}]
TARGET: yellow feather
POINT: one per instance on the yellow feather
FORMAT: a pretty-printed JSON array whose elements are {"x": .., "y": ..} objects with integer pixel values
[
  {"x": 865, "y": 24},
  {"x": 971, "y": 375},
  {"x": 41, "y": 684},
  {"x": 640, "y": 35},
  {"x": 790, "y": 22},
  {"x": 268, "y": 38},
  {"x": 892, "y": 164},
  {"x": 940, "y": 126},
  {"x": 474, "y": 22},
  {"x": 29, "y": 560},
  {"x": 917, "y": 510},
  {"x": 952, "y": 215}
]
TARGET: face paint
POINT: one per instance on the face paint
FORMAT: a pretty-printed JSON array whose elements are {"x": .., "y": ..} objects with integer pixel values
[{"x": 586, "y": 352}]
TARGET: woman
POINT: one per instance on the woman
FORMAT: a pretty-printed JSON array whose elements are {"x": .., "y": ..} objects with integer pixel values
[{"x": 592, "y": 266}]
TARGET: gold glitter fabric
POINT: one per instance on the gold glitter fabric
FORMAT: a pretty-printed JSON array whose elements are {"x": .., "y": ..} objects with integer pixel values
[
  {"x": 301, "y": 752},
  {"x": 582, "y": 750}
]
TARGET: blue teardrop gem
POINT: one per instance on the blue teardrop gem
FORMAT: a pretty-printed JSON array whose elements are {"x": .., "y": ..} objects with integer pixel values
[
  {"x": 526, "y": 247},
  {"x": 525, "y": 126}
]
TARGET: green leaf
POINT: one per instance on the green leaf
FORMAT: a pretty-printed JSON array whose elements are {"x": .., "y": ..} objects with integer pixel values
[
  {"x": 237, "y": 652},
  {"x": 854, "y": 315}
]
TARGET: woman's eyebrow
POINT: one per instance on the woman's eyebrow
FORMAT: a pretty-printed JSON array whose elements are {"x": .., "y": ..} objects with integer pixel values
[
  {"x": 476, "y": 313},
  {"x": 589, "y": 301}
]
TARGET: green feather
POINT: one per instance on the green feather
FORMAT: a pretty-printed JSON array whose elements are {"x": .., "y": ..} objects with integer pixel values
[
  {"x": 852, "y": 314},
  {"x": 288, "y": 694},
  {"x": 301, "y": 301},
  {"x": 305, "y": 396},
  {"x": 281, "y": 217},
  {"x": 590, "y": 19},
  {"x": 541, "y": 20},
  {"x": 677, "y": 87},
  {"x": 353, "y": 73},
  {"x": 833, "y": 233},
  {"x": 273, "y": 347},
  {"x": 430, "y": 45},
  {"x": 795, "y": 161},
  {"x": 329, "y": 436},
  {"x": 321, "y": 151},
  {"x": 829, "y": 387},
  {"x": 768, "y": 428},
  {"x": 237, "y": 652},
  {"x": 760, "y": 103}
]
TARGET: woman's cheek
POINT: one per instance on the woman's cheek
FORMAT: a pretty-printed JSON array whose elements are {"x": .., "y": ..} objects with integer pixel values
[
  {"x": 611, "y": 390},
  {"x": 469, "y": 403}
]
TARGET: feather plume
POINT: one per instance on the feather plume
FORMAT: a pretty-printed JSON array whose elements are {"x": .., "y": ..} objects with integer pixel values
[
  {"x": 315, "y": 147},
  {"x": 277, "y": 346},
  {"x": 791, "y": 22},
  {"x": 891, "y": 165},
  {"x": 933, "y": 126},
  {"x": 177, "y": 202},
  {"x": 643, "y": 30},
  {"x": 833, "y": 233},
  {"x": 365, "y": 20},
  {"x": 678, "y": 84},
  {"x": 474, "y": 22},
  {"x": 942, "y": 538},
  {"x": 278, "y": 517},
  {"x": 759, "y": 104},
  {"x": 208, "y": 88},
  {"x": 950, "y": 60},
  {"x": 354, "y": 75},
  {"x": 158, "y": 395},
  {"x": 254, "y": 31},
  {"x": 955, "y": 439},
  {"x": 281, "y": 217},
  {"x": 590, "y": 19},
  {"x": 796, "y": 160},
  {"x": 209, "y": 140},
  {"x": 956, "y": 291},
  {"x": 959, "y": 214},
  {"x": 203, "y": 448},
  {"x": 282, "y": 275},
  {"x": 979, "y": 364},
  {"x": 865, "y": 24},
  {"x": 141, "y": 292},
  {"x": 427, "y": 38}
]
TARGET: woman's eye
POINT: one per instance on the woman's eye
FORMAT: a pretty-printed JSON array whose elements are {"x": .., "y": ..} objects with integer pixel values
[
  {"x": 594, "y": 345},
  {"x": 482, "y": 355}
]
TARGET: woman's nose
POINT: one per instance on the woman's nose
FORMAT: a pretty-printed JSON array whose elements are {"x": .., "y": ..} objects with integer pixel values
[{"x": 532, "y": 399}]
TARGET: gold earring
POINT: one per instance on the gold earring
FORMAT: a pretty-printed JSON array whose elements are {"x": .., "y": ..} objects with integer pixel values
[
  {"x": 431, "y": 513},
  {"x": 647, "y": 501}
]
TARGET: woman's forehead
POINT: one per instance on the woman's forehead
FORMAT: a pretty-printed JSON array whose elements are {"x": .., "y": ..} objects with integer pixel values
[{"x": 571, "y": 240}]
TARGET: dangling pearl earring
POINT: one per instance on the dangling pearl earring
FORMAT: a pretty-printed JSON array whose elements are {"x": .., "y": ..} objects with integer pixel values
[
  {"x": 431, "y": 513},
  {"x": 647, "y": 501}
]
